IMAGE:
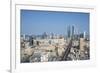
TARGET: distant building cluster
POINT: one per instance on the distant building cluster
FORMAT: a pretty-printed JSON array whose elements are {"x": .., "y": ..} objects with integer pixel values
[{"x": 55, "y": 47}]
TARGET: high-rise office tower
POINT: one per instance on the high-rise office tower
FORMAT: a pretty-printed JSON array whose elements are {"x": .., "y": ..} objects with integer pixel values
[
  {"x": 68, "y": 32},
  {"x": 72, "y": 32},
  {"x": 84, "y": 34}
]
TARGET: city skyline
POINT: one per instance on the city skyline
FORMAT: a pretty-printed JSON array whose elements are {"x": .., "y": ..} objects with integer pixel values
[{"x": 37, "y": 22}]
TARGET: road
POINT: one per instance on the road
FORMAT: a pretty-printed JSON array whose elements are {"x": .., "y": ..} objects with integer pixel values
[{"x": 67, "y": 51}]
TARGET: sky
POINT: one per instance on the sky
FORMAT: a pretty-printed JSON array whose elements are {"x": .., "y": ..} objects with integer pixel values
[{"x": 37, "y": 22}]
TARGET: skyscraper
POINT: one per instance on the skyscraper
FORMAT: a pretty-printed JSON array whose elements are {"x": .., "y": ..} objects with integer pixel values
[
  {"x": 84, "y": 34},
  {"x": 68, "y": 32},
  {"x": 72, "y": 32}
]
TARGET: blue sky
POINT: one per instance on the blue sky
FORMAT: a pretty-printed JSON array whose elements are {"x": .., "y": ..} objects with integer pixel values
[{"x": 38, "y": 22}]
